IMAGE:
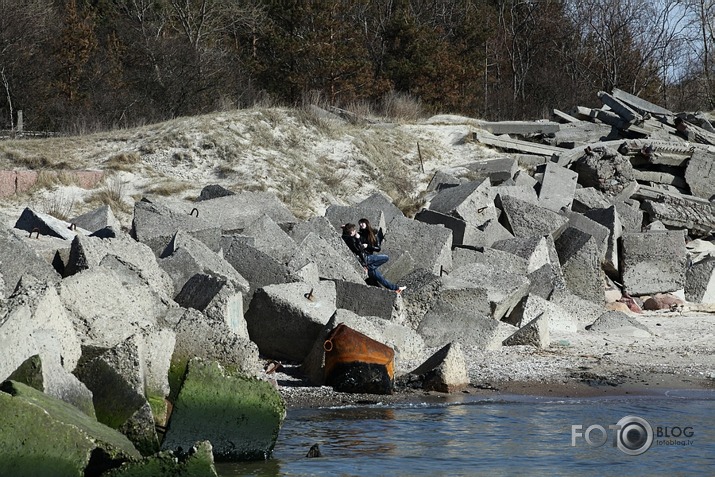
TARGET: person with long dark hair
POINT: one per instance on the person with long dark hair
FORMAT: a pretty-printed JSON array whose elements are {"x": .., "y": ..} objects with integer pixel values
[{"x": 368, "y": 259}]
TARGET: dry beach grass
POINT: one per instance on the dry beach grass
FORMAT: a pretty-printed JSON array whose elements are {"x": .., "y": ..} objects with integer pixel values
[{"x": 311, "y": 160}]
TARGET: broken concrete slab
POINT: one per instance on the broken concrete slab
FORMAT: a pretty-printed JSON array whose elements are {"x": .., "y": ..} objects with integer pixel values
[
  {"x": 700, "y": 281},
  {"x": 587, "y": 198},
  {"x": 285, "y": 319},
  {"x": 533, "y": 306},
  {"x": 700, "y": 174},
  {"x": 442, "y": 180},
  {"x": 557, "y": 188},
  {"x": 580, "y": 257},
  {"x": 445, "y": 371},
  {"x": 234, "y": 213},
  {"x": 621, "y": 108},
  {"x": 640, "y": 104},
  {"x": 520, "y": 128},
  {"x": 653, "y": 262},
  {"x": 496, "y": 170},
  {"x": 523, "y": 219},
  {"x": 506, "y": 143},
  {"x": 609, "y": 218},
  {"x": 97, "y": 219},
  {"x": 464, "y": 233},
  {"x": 212, "y": 396}
]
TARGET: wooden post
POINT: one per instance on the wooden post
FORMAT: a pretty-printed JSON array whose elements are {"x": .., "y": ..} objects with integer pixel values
[
  {"x": 419, "y": 153},
  {"x": 19, "y": 120}
]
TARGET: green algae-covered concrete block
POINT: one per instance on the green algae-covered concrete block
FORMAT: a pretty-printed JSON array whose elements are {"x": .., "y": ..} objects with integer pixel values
[
  {"x": 241, "y": 416},
  {"x": 43, "y": 436},
  {"x": 199, "y": 463}
]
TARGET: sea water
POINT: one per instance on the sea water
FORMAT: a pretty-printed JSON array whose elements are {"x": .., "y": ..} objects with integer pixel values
[{"x": 508, "y": 435}]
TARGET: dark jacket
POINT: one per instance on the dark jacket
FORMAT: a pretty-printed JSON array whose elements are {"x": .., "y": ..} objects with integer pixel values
[
  {"x": 370, "y": 249},
  {"x": 355, "y": 247}
]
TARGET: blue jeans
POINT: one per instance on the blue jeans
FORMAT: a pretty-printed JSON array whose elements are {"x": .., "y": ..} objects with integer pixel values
[{"x": 373, "y": 262}]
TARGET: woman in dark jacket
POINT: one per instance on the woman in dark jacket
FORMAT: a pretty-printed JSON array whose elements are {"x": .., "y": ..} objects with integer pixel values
[{"x": 369, "y": 261}]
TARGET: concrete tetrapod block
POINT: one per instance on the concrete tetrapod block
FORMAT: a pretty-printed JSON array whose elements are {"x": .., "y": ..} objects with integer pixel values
[
  {"x": 107, "y": 305},
  {"x": 197, "y": 461},
  {"x": 155, "y": 225},
  {"x": 523, "y": 219},
  {"x": 653, "y": 262},
  {"x": 332, "y": 264},
  {"x": 52, "y": 379},
  {"x": 217, "y": 298},
  {"x": 445, "y": 371},
  {"x": 284, "y": 320},
  {"x": 236, "y": 212},
  {"x": 116, "y": 379},
  {"x": 18, "y": 259},
  {"x": 89, "y": 252},
  {"x": 580, "y": 258},
  {"x": 472, "y": 202},
  {"x": 504, "y": 288},
  {"x": 700, "y": 281},
  {"x": 186, "y": 256},
  {"x": 406, "y": 342},
  {"x": 33, "y": 321},
  {"x": 429, "y": 245},
  {"x": 534, "y": 333},
  {"x": 557, "y": 188},
  {"x": 41, "y": 436},
  {"x": 240, "y": 415},
  {"x": 367, "y": 300},
  {"x": 197, "y": 336}
]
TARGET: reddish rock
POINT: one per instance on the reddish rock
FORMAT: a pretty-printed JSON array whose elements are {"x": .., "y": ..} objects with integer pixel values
[
  {"x": 25, "y": 180},
  {"x": 7, "y": 183},
  {"x": 662, "y": 301}
]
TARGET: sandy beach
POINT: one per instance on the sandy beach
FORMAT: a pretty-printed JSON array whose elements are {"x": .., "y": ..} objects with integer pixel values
[{"x": 678, "y": 354}]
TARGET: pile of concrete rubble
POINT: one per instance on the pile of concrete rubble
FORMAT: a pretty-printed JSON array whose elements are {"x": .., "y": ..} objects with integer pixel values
[{"x": 585, "y": 221}]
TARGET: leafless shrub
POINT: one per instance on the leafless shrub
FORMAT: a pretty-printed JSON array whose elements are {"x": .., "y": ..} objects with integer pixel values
[
  {"x": 58, "y": 206},
  {"x": 112, "y": 194},
  {"x": 401, "y": 106},
  {"x": 122, "y": 161}
]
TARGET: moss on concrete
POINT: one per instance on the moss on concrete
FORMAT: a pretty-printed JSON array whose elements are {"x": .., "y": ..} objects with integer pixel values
[
  {"x": 165, "y": 464},
  {"x": 240, "y": 415},
  {"x": 41, "y": 435}
]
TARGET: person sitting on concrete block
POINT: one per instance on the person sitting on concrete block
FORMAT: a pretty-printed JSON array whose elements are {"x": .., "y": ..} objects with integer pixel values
[{"x": 370, "y": 262}]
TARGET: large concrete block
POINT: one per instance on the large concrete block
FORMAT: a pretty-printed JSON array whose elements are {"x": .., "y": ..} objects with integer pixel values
[
  {"x": 258, "y": 268},
  {"x": 210, "y": 398},
  {"x": 445, "y": 371},
  {"x": 236, "y": 212},
  {"x": 198, "y": 336},
  {"x": 535, "y": 333},
  {"x": 155, "y": 225},
  {"x": 609, "y": 218},
  {"x": 34, "y": 322},
  {"x": 580, "y": 257},
  {"x": 700, "y": 281},
  {"x": 216, "y": 297},
  {"x": 19, "y": 259},
  {"x": 367, "y": 300},
  {"x": 284, "y": 320},
  {"x": 631, "y": 216},
  {"x": 599, "y": 232},
  {"x": 43, "y": 436},
  {"x": 107, "y": 305},
  {"x": 464, "y": 233},
  {"x": 533, "y": 306},
  {"x": 587, "y": 198},
  {"x": 523, "y": 219},
  {"x": 332, "y": 264},
  {"x": 619, "y": 323},
  {"x": 653, "y": 262},
  {"x": 448, "y": 322},
  {"x": 96, "y": 219},
  {"x": 472, "y": 202},
  {"x": 338, "y": 215},
  {"x": 185, "y": 256},
  {"x": 45, "y": 224},
  {"x": 48, "y": 375},
  {"x": 496, "y": 170},
  {"x": 700, "y": 174},
  {"x": 89, "y": 252},
  {"x": 269, "y": 238},
  {"x": 429, "y": 245},
  {"x": 504, "y": 288},
  {"x": 557, "y": 188},
  {"x": 380, "y": 202}
]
